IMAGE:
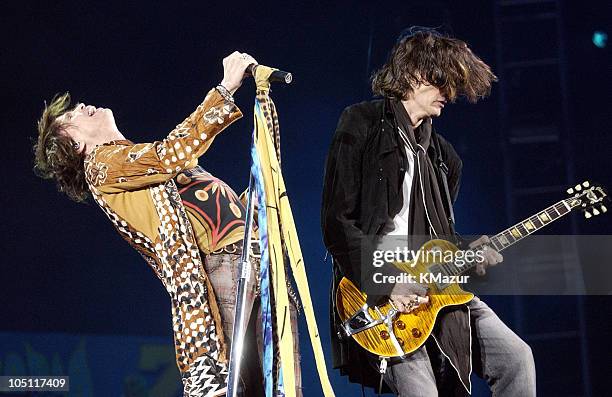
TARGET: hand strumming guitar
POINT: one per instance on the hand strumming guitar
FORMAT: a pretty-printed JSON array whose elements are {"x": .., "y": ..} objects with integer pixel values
[{"x": 408, "y": 296}]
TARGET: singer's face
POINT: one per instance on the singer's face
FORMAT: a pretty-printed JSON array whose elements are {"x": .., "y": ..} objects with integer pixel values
[{"x": 86, "y": 123}]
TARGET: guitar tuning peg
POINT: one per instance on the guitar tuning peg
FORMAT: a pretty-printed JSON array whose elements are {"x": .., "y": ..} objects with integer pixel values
[
  {"x": 585, "y": 183},
  {"x": 578, "y": 188},
  {"x": 596, "y": 211},
  {"x": 604, "y": 209},
  {"x": 587, "y": 214},
  {"x": 570, "y": 190}
]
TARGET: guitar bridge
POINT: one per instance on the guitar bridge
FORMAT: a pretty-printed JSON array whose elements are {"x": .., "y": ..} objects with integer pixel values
[{"x": 360, "y": 321}]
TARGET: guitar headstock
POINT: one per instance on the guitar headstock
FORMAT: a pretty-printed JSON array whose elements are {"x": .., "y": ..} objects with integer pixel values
[{"x": 588, "y": 198}]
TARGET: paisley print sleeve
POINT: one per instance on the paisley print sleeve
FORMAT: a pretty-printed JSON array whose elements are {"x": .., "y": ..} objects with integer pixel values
[{"x": 122, "y": 165}]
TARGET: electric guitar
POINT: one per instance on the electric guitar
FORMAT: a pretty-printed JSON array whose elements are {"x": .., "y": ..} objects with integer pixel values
[{"x": 384, "y": 331}]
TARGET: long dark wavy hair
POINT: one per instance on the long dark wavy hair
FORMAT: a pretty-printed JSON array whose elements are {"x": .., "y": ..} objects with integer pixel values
[
  {"x": 55, "y": 156},
  {"x": 424, "y": 55}
]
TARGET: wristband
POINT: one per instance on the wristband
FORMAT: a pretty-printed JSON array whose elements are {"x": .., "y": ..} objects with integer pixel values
[{"x": 225, "y": 93}]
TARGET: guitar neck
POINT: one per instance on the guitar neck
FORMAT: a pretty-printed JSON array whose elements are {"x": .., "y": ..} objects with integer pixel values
[
  {"x": 529, "y": 226},
  {"x": 517, "y": 232}
]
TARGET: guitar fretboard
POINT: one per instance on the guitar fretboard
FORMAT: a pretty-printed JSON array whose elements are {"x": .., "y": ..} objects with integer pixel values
[
  {"x": 529, "y": 226},
  {"x": 517, "y": 232}
]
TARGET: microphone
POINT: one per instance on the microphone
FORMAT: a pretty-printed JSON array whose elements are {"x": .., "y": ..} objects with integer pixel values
[{"x": 277, "y": 75}]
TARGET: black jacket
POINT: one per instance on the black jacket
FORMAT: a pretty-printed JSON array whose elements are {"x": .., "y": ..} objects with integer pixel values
[{"x": 362, "y": 190}]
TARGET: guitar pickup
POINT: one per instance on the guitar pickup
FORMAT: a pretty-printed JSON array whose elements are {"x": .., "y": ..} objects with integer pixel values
[{"x": 436, "y": 274}]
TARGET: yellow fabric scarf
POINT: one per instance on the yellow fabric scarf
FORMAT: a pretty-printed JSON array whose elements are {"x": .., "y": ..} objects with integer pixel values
[{"x": 282, "y": 237}]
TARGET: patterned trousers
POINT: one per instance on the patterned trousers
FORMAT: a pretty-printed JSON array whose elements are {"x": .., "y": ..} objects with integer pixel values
[{"x": 223, "y": 271}]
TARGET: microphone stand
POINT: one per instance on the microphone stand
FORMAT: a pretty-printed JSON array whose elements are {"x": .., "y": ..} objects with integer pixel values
[
  {"x": 245, "y": 273},
  {"x": 241, "y": 297}
]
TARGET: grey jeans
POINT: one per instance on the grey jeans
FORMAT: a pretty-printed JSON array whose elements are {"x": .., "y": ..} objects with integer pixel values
[
  {"x": 223, "y": 271},
  {"x": 499, "y": 356}
]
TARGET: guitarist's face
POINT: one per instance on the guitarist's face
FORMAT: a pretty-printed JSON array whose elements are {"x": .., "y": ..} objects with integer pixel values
[{"x": 425, "y": 100}]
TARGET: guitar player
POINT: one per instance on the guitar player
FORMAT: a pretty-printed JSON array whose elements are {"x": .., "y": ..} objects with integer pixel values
[{"x": 389, "y": 173}]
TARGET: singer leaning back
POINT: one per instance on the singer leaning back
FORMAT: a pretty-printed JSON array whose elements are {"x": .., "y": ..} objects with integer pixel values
[{"x": 186, "y": 224}]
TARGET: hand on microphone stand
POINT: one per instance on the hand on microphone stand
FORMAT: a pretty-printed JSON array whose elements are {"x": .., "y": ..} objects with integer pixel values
[{"x": 235, "y": 68}]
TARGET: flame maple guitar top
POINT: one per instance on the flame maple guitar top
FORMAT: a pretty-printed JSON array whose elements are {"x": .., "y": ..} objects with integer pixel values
[{"x": 411, "y": 329}]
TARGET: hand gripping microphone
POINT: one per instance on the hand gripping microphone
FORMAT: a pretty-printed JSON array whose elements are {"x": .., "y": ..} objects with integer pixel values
[{"x": 276, "y": 75}]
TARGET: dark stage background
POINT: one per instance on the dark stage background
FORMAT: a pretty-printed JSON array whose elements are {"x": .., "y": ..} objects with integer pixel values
[{"x": 73, "y": 293}]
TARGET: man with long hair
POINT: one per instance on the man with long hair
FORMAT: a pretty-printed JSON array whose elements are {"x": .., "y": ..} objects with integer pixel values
[
  {"x": 187, "y": 224},
  {"x": 388, "y": 173}
]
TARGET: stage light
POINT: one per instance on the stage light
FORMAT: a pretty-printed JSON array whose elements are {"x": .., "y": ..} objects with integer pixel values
[{"x": 600, "y": 38}]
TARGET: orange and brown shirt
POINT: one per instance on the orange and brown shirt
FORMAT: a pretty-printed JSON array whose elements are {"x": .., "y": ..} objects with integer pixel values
[
  {"x": 134, "y": 185},
  {"x": 215, "y": 211}
]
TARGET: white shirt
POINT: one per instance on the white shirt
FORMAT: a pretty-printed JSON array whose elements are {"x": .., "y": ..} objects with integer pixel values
[{"x": 399, "y": 224}]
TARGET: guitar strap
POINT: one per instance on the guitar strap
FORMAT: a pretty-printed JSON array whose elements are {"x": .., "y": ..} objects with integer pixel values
[{"x": 444, "y": 168}]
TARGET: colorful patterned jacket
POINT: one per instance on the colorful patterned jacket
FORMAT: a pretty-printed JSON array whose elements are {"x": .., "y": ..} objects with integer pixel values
[{"x": 134, "y": 185}]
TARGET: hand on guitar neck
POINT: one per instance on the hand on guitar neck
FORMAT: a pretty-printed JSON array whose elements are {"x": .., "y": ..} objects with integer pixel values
[{"x": 491, "y": 256}]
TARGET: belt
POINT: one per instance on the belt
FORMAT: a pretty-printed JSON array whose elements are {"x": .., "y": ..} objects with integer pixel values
[{"x": 236, "y": 248}]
